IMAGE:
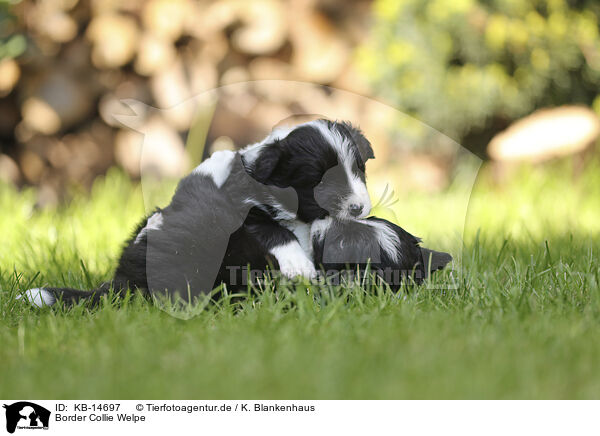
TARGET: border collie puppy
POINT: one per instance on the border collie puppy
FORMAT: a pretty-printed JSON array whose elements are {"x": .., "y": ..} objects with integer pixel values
[
  {"x": 385, "y": 248},
  {"x": 254, "y": 205}
]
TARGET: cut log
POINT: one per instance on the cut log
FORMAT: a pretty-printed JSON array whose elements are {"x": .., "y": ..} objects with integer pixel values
[
  {"x": 158, "y": 151},
  {"x": 9, "y": 171},
  {"x": 265, "y": 68},
  {"x": 154, "y": 54},
  {"x": 9, "y": 76},
  {"x": 32, "y": 166},
  {"x": 222, "y": 143},
  {"x": 546, "y": 134},
  {"x": 56, "y": 25},
  {"x": 39, "y": 116},
  {"x": 320, "y": 53},
  {"x": 115, "y": 40},
  {"x": 166, "y": 18},
  {"x": 130, "y": 87},
  {"x": 209, "y": 18},
  {"x": 56, "y": 101},
  {"x": 203, "y": 75},
  {"x": 171, "y": 91},
  {"x": 268, "y": 114},
  {"x": 235, "y": 75},
  {"x": 264, "y": 28}
]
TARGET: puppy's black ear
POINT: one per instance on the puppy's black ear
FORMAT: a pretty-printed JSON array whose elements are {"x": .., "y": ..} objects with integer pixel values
[
  {"x": 362, "y": 143},
  {"x": 262, "y": 163},
  {"x": 365, "y": 149}
]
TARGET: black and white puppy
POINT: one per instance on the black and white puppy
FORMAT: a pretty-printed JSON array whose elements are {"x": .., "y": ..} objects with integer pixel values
[
  {"x": 384, "y": 248},
  {"x": 252, "y": 206}
]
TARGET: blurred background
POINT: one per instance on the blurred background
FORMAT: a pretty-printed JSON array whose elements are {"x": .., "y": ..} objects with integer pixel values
[
  {"x": 514, "y": 83},
  {"x": 484, "y": 118}
]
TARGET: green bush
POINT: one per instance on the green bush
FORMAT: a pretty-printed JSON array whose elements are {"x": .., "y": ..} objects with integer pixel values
[
  {"x": 11, "y": 44},
  {"x": 470, "y": 67}
]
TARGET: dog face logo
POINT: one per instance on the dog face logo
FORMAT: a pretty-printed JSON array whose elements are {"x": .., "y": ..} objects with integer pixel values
[{"x": 26, "y": 415}]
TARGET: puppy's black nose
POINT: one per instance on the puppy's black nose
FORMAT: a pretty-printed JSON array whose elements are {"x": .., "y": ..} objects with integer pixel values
[{"x": 355, "y": 209}]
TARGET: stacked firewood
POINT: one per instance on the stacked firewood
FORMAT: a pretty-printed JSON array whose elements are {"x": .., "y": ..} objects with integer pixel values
[{"x": 59, "y": 98}]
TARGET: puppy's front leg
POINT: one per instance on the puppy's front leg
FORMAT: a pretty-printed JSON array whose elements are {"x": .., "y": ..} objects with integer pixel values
[
  {"x": 283, "y": 245},
  {"x": 293, "y": 261}
]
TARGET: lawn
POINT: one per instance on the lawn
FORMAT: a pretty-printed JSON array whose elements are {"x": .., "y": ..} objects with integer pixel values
[{"x": 517, "y": 317}]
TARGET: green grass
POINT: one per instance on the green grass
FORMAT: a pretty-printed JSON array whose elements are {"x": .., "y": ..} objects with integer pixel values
[{"x": 522, "y": 322}]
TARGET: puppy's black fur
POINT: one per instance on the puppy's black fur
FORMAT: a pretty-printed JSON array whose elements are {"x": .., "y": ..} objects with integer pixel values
[
  {"x": 246, "y": 208},
  {"x": 301, "y": 161},
  {"x": 362, "y": 245},
  {"x": 238, "y": 208},
  {"x": 345, "y": 246}
]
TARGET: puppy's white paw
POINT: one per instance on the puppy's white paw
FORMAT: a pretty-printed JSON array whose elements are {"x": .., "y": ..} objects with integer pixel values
[
  {"x": 293, "y": 261},
  {"x": 300, "y": 267},
  {"x": 39, "y": 297}
]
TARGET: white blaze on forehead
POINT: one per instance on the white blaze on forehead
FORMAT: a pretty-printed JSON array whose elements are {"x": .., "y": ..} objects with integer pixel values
[
  {"x": 218, "y": 166},
  {"x": 346, "y": 158},
  {"x": 344, "y": 150},
  {"x": 360, "y": 196}
]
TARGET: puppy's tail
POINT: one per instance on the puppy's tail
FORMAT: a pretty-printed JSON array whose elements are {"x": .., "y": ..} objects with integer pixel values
[
  {"x": 434, "y": 260},
  {"x": 42, "y": 297}
]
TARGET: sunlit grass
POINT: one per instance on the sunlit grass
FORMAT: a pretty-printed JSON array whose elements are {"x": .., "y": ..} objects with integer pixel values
[{"x": 521, "y": 317}]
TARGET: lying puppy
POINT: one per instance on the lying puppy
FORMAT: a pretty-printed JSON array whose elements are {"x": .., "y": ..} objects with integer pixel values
[
  {"x": 254, "y": 205},
  {"x": 342, "y": 248},
  {"x": 385, "y": 248}
]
